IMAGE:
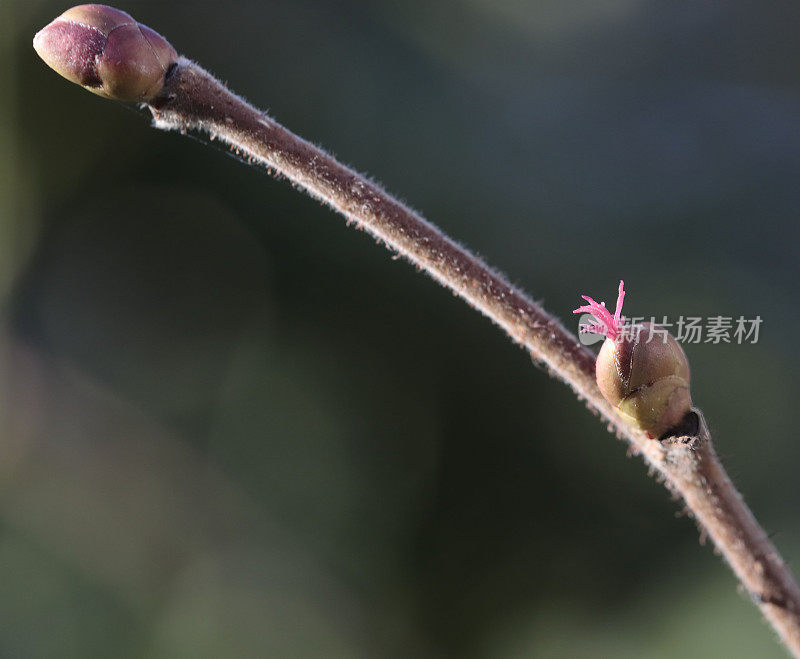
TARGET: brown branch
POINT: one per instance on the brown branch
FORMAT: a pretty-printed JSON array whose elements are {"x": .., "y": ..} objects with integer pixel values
[
  {"x": 693, "y": 470},
  {"x": 192, "y": 99}
]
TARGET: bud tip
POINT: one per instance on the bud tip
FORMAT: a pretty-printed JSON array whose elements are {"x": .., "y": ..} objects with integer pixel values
[{"x": 604, "y": 324}]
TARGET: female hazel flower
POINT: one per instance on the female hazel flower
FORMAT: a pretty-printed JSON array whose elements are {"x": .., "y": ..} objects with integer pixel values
[{"x": 641, "y": 369}]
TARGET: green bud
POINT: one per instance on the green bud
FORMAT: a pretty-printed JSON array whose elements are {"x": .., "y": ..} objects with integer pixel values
[
  {"x": 646, "y": 377},
  {"x": 107, "y": 52},
  {"x": 641, "y": 369}
]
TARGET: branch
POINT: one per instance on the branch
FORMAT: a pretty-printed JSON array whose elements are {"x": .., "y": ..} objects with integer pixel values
[
  {"x": 192, "y": 99},
  {"x": 185, "y": 97}
]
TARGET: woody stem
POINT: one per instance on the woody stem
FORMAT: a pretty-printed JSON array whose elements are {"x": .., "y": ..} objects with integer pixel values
[{"x": 192, "y": 99}]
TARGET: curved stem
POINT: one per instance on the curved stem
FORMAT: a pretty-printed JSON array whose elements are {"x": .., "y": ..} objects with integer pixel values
[
  {"x": 192, "y": 99},
  {"x": 692, "y": 469}
]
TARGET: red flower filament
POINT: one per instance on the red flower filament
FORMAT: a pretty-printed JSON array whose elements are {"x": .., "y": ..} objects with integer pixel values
[{"x": 604, "y": 324}]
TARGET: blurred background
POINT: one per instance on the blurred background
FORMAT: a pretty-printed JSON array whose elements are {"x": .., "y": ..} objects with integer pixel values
[{"x": 232, "y": 427}]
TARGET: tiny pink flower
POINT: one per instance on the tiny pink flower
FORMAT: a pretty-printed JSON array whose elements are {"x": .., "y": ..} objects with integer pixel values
[{"x": 605, "y": 324}]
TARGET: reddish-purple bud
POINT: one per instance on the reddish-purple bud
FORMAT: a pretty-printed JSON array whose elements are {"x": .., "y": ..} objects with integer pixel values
[
  {"x": 641, "y": 369},
  {"x": 107, "y": 52}
]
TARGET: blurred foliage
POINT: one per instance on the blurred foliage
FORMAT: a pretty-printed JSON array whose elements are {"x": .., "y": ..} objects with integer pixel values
[{"x": 234, "y": 428}]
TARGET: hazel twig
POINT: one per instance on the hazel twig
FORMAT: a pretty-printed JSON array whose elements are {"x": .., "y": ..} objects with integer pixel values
[{"x": 109, "y": 53}]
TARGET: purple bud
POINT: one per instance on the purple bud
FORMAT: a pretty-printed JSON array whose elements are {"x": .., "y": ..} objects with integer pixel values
[{"x": 107, "y": 52}]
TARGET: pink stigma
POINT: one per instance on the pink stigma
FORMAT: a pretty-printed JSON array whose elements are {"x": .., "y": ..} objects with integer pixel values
[{"x": 605, "y": 324}]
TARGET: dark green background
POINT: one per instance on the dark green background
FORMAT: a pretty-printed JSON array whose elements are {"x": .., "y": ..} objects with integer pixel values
[{"x": 233, "y": 427}]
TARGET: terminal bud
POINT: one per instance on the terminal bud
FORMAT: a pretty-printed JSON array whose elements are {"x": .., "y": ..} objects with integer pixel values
[{"x": 107, "y": 52}]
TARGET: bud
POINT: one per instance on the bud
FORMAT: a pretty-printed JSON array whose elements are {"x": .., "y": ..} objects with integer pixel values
[
  {"x": 641, "y": 369},
  {"x": 107, "y": 52}
]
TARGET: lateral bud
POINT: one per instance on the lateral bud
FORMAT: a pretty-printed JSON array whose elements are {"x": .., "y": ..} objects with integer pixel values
[{"x": 641, "y": 369}]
